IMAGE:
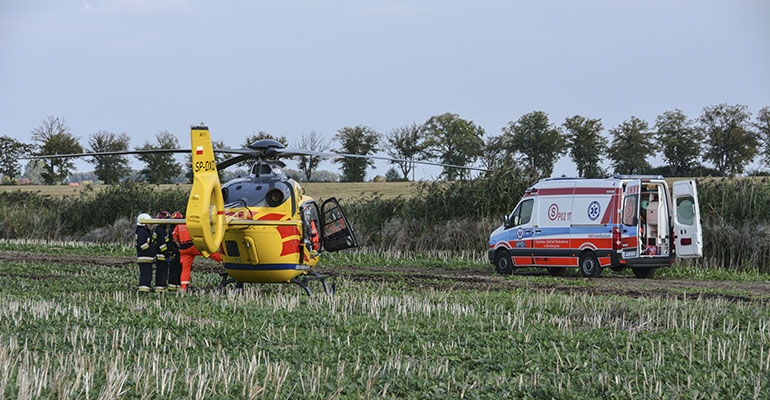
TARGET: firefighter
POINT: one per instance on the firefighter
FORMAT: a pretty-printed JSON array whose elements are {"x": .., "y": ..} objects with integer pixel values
[
  {"x": 161, "y": 238},
  {"x": 187, "y": 254},
  {"x": 174, "y": 265},
  {"x": 145, "y": 252}
]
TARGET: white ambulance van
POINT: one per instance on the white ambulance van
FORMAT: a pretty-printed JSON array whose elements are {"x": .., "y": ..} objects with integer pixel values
[{"x": 621, "y": 222}]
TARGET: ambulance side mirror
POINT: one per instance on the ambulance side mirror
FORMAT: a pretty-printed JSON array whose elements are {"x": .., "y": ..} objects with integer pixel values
[{"x": 507, "y": 221}]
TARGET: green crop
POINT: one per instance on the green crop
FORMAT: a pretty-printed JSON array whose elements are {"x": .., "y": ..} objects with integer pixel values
[{"x": 82, "y": 331}]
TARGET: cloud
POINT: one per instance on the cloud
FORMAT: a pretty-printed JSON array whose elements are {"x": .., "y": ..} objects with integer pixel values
[{"x": 89, "y": 8}]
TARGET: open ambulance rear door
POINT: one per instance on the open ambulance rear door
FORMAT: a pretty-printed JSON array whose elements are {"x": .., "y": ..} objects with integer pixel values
[
  {"x": 687, "y": 226},
  {"x": 629, "y": 219}
]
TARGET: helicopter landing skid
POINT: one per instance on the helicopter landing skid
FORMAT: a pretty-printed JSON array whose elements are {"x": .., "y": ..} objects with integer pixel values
[
  {"x": 303, "y": 282},
  {"x": 227, "y": 280},
  {"x": 315, "y": 276}
]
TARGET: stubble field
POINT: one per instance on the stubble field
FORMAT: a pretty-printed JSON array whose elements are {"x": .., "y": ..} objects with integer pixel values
[{"x": 73, "y": 326}]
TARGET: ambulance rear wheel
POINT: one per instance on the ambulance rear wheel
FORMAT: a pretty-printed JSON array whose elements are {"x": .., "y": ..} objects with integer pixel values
[
  {"x": 589, "y": 265},
  {"x": 645, "y": 273},
  {"x": 503, "y": 263}
]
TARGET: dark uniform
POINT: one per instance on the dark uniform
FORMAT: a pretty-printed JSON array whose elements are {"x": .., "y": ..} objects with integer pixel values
[
  {"x": 174, "y": 263},
  {"x": 161, "y": 238},
  {"x": 145, "y": 253}
]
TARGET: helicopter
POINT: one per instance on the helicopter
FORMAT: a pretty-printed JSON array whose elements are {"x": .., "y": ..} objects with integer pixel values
[{"x": 264, "y": 226}]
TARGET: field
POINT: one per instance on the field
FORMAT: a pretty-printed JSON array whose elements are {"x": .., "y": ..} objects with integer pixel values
[
  {"x": 323, "y": 190},
  {"x": 72, "y": 326}
]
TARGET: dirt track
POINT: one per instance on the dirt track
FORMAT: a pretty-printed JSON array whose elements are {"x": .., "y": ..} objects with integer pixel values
[{"x": 486, "y": 279}]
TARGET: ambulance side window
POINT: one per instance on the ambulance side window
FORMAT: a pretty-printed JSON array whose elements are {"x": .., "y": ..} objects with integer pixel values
[
  {"x": 629, "y": 210},
  {"x": 523, "y": 213}
]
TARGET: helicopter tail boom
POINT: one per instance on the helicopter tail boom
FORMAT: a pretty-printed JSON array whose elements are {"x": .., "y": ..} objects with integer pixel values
[{"x": 205, "y": 206}]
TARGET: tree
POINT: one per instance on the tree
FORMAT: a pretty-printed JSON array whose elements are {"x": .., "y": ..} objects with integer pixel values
[
  {"x": 537, "y": 142},
  {"x": 763, "y": 129},
  {"x": 54, "y": 137},
  {"x": 452, "y": 140},
  {"x": 359, "y": 140},
  {"x": 679, "y": 142},
  {"x": 34, "y": 171},
  {"x": 312, "y": 142},
  {"x": 495, "y": 153},
  {"x": 731, "y": 144},
  {"x": 405, "y": 143},
  {"x": 394, "y": 176},
  {"x": 160, "y": 167},
  {"x": 586, "y": 144},
  {"x": 12, "y": 150},
  {"x": 109, "y": 168},
  {"x": 631, "y": 145}
]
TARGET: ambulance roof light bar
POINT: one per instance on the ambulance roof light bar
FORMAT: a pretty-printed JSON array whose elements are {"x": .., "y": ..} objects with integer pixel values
[{"x": 638, "y": 176}]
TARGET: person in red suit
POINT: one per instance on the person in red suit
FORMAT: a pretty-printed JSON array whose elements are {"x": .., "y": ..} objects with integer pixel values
[{"x": 187, "y": 253}]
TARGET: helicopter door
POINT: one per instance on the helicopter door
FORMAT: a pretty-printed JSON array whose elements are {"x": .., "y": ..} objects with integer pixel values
[
  {"x": 337, "y": 232},
  {"x": 311, "y": 225}
]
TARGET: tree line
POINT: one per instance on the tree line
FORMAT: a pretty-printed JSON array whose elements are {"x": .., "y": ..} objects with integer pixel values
[{"x": 722, "y": 136}]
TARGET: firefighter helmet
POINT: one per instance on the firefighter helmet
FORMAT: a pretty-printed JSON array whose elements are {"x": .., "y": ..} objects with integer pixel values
[
  {"x": 177, "y": 215},
  {"x": 163, "y": 214},
  {"x": 141, "y": 218}
]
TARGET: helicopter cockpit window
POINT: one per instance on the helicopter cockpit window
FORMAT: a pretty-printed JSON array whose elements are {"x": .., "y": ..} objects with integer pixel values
[
  {"x": 261, "y": 169},
  {"x": 247, "y": 192}
]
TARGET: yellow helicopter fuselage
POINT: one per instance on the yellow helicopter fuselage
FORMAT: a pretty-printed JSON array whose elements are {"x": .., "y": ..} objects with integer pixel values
[
  {"x": 273, "y": 252},
  {"x": 263, "y": 225}
]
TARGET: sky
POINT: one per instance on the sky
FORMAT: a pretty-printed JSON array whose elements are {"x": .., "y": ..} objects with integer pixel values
[{"x": 291, "y": 67}]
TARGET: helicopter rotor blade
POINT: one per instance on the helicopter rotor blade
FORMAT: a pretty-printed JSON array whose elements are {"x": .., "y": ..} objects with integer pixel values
[
  {"x": 232, "y": 161},
  {"x": 265, "y": 149},
  {"x": 106, "y": 153},
  {"x": 334, "y": 156}
]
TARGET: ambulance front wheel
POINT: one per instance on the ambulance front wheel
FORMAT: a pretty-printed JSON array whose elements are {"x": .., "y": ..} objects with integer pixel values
[
  {"x": 589, "y": 265},
  {"x": 503, "y": 263}
]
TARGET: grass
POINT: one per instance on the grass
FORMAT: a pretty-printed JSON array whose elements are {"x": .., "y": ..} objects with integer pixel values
[{"x": 77, "y": 331}]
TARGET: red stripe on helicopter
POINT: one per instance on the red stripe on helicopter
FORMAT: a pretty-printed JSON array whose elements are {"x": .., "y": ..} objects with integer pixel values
[
  {"x": 290, "y": 247},
  {"x": 287, "y": 231},
  {"x": 199, "y": 150},
  {"x": 271, "y": 217}
]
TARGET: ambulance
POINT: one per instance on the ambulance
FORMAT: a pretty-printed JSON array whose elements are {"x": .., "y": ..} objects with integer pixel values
[{"x": 628, "y": 221}]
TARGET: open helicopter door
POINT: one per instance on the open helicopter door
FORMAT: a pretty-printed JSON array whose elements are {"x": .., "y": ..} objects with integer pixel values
[
  {"x": 337, "y": 232},
  {"x": 688, "y": 232}
]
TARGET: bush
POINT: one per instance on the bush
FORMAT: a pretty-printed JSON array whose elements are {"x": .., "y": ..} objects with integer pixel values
[{"x": 456, "y": 217}]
